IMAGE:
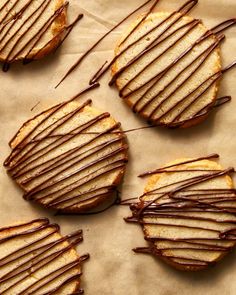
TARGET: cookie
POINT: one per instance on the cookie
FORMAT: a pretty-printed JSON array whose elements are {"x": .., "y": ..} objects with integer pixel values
[
  {"x": 187, "y": 213},
  {"x": 37, "y": 259},
  {"x": 168, "y": 68},
  {"x": 30, "y": 29},
  {"x": 69, "y": 158}
]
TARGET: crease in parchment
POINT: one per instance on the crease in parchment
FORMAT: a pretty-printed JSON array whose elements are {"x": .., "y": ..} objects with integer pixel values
[{"x": 107, "y": 24}]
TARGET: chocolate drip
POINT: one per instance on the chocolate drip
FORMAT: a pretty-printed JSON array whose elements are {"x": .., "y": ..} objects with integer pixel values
[
  {"x": 96, "y": 77},
  {"x": 142, "y": 250},
  {"x": 52, "y": 146},
  {"x": 45, "y": 251},
  {"x": 223, "y": 26},
  {"x": 158, "y": 39},
  {"x": 160, "y": 170},
  {"x": 6, "y": 43},
  {"x": 102, "y": 38},
  {"x": 24, "y": 233},
  {"x": 116, "y": 201},
  {"x": 177, "y": 121},
  {"x": 57, "y": 289},
  {"x": 21, "y": 43},
  {"x": 126, "y": 202},
  {"x": 206, "y": 85},
  {"x": 184, "y": 200},
  {"x": 54, "y": 110},
  {"x": 155, "y": 79},
  {"x": 207, "y": 52},
  {"x": 219, "y": 102},
  {"x": 66, "y": 173},
  {"x": 62, "y": 36}
]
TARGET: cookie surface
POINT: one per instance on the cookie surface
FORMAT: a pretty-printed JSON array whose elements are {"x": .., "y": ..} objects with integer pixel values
[
  {"x": 69, "y": 158},
  {"x": 188, "y": 213},
  {"x": 30, "y": 29},
  {"x": 36, "y": 259},
  {"x": 168, "y": 69}
]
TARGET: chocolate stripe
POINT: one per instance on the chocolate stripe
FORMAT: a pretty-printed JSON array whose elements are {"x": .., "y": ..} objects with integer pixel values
[
  {"x": 182, "y": 201},
  {"x": 126, "y": 91},
  {"x": 45, "y": 252},
  {"x": 18, "y": 21},
  {"x": 65, "y": 178},
  {"x": 79, "y": 61}
]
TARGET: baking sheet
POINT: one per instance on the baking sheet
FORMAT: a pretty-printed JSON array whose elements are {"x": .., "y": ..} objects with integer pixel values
[{"x": 113, "y": 268}]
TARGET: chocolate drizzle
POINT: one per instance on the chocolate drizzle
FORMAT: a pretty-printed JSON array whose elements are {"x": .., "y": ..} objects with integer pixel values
[
  {"x": 115, "y": 201},
  {"x": 19, "y": 19},
  {"x": 219, "y": 102},
  {"x": 40, "y": 248},
  {"x": 97, "y": 76},
  {"x": 151, "y": 101},
  {"x": 216, "y": 30},
  {"x": 62, "y": 36},
  {"x": 192, "y": 219},
  {"x": 80, "y": 60},
  {"x": 66, "y": 164}
]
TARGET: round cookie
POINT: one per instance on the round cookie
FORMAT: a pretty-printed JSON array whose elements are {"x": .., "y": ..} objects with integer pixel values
[
  {"x": 69, "y": 158},
  {"x": 30, "y": 30},
  {"x": 187, "y": 213},
  {"x": 170, "y": 74},
  {"x": 36, "y": 259}
]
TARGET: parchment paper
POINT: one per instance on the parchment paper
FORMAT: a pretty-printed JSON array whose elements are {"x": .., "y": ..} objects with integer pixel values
[{"x": 113, "y": 268}]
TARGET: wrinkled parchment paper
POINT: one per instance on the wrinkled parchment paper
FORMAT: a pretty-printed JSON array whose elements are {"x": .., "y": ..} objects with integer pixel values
[{"x": 113, "y": 268}]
